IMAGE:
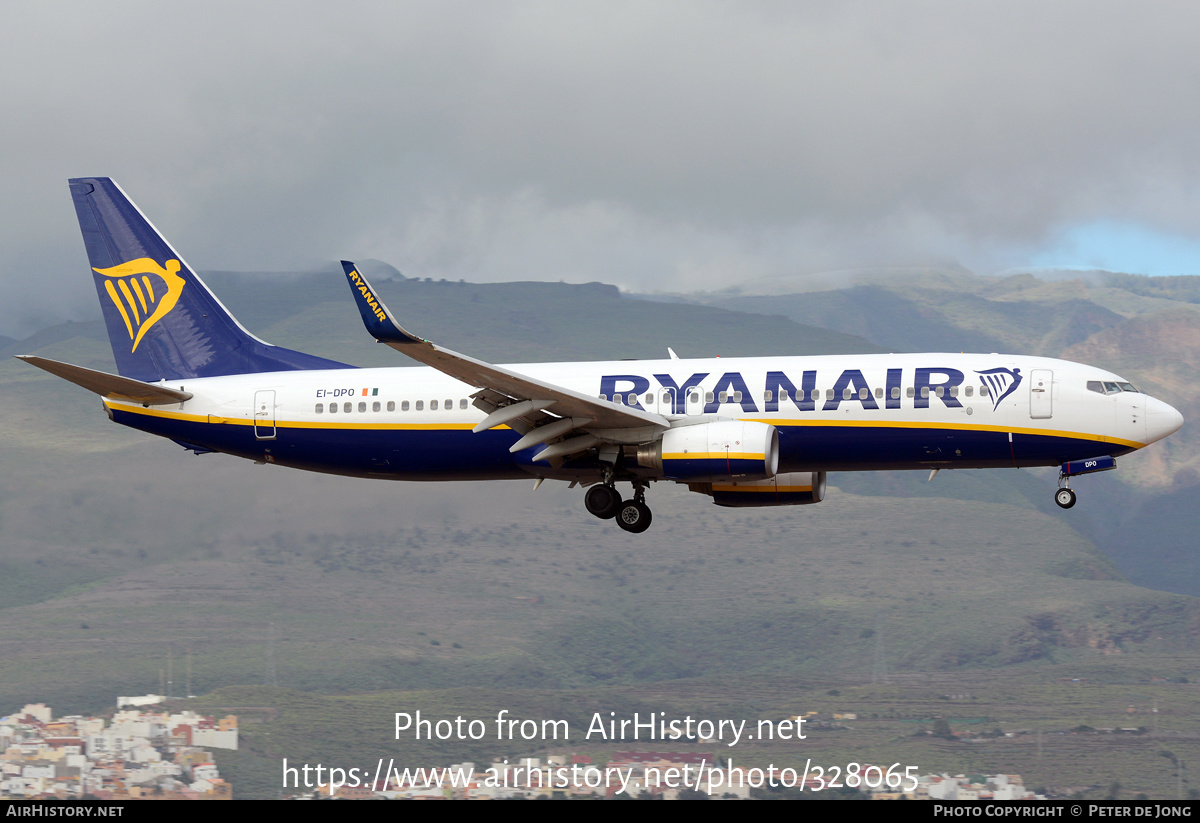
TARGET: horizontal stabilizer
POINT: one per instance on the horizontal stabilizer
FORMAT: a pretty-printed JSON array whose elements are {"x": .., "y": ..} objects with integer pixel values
[{"x": 109, "y": 385}]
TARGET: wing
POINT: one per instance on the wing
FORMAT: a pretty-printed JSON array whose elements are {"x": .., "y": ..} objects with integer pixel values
[{"x": 539, "y": 410}]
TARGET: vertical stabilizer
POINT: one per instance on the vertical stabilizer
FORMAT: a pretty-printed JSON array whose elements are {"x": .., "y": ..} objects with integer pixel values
[{"x": 163, "y": 322}]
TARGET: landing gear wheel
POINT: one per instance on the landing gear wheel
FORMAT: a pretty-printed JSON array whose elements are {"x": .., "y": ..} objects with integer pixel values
[
  {"x": 1064, "y": 498},
  {"x": 602, "y": 501},
  {"x": 634, "y": 516}
]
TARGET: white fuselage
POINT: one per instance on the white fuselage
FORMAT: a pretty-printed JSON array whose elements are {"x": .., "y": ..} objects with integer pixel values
[{"x": 841, "y": 412}]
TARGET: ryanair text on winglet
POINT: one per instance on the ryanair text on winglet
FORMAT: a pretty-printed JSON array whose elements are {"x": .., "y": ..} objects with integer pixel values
[{"x": 366, "y": 293}]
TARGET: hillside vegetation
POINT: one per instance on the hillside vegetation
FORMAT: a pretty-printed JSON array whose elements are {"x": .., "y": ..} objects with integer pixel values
[{"x": 121, "y": 550}]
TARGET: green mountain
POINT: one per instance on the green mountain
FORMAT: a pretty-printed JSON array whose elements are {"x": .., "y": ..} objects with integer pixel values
[
  {"x": 122, "y": 552},
  {"x": 1144, "y": 328}
]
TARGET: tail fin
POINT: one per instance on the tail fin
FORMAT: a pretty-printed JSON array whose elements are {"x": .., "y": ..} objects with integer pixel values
[{"x": 163, "y": 322}]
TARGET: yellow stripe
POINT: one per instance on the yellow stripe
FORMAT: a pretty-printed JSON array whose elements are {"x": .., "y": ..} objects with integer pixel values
[
  {"x": 880, "y": 424},
  {"x": 149, "y": 288},
  {"x": 769, "y": 489},
  {"x": 713, "y": 456},
  {"x": 284, "y": 424},
  {"x": 246, "y": 421}
]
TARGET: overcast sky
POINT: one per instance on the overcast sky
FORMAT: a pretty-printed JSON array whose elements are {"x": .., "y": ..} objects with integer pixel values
[{"x": 657, "y": 146}]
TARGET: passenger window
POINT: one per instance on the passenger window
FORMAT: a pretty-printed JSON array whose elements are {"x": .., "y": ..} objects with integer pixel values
[
  {"x": 983, "y": 391},
  {"x": 631, "y": 399},
  {"x": 815, "y": 395},
  {"x": 767, "y": 396},
  {"x": 462, "y": 404},
  {"x": 649, "y": 399},
  {"x": 392, "y": 405},
  {"x": 911, "y": 392},
  {"x": 333, "y": 408},
  {"x": 954, "y": 391},
  {"x": 375, "y": 406},
  {"x": 619, "y": 400},
  {"x": 846, "y": 393},
  {"x": 723, "y": 397},
  {"x": 924, "y": 391},
  {"x": 737, "y": 397},
  {"x": 829, "y": 394},
  {"x": 970, "y": 390},
  {"x": 346, "y": 407},
  {"x": 666, "y": 398},
  {"x": 433, "y": 405},
  {"x": 896, "y": 393},
  {"x": 941, "y": 391},
  {"x": 878, "y": 393},
  {"x": 708, "y": 397},
  {"x": 695, "y": 398},
  {"x": 783, "y": 394},
  {"x": 448, "y": 405},
  {"x": 362, "y": 407},
  {"x": 604, "y": 397},
  {"x": 420, "y": 405},
  {"x": 403, "y": 405},
  {"x": 320, "y": 408},
  {"x": 864, "y": 393}
]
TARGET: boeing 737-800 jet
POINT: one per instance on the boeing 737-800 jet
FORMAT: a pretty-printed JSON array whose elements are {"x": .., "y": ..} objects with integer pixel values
[{"x": 760, "y": 431}]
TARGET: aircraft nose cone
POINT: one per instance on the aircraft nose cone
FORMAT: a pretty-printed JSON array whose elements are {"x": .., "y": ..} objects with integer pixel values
[{"x": 1161, "y": 420}]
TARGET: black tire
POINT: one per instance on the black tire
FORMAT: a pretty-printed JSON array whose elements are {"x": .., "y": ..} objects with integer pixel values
[
  {"x": 602, "y": 501},
  {"x": 1065, "y": 498},
  {"x": 634, "y": 517}
]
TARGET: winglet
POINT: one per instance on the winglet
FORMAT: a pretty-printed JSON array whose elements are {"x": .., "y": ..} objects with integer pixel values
[{"x": 375, "y": 315}]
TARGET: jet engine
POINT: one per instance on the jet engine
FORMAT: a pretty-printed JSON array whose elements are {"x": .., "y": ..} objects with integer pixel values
[
  {"x": 723, "y": 451},
  {"x": 789, "y": 489}
]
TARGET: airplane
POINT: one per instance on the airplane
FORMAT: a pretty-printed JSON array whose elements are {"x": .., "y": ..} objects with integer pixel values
[{"x": 749, "y": 431}]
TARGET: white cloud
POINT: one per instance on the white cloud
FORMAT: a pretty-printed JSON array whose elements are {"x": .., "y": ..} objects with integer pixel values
[{"x": 662, "y": 146}]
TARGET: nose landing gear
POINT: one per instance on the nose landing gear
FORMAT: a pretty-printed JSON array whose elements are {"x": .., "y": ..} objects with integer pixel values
[{"x": 1064, "y": 497}]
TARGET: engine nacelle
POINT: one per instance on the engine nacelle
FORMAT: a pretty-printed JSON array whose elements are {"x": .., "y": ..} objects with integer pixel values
[
  {"x": 790, "y": 489},
  {"x": 724, "y": 451}
]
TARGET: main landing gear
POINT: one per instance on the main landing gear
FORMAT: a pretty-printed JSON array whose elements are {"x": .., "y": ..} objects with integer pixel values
[{"x": 604, "y": 501}]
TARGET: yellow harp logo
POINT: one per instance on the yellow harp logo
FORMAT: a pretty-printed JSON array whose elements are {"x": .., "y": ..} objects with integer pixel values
[{"x": 141, "y": 304}]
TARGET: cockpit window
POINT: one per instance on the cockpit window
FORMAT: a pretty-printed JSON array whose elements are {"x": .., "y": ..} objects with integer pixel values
[{"x": 1109, "y": 387}]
